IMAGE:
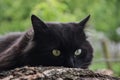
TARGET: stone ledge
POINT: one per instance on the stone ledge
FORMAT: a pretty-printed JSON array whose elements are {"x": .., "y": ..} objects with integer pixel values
[{"x": 53, "y": 73}]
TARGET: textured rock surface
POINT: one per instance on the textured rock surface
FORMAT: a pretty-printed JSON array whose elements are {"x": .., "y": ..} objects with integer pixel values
[{"x": 52, "y": 73}]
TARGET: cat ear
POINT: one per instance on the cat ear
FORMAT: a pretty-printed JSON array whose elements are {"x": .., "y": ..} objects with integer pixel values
[
  {"x": 84, "y": 21},
  {"x": 38, "y": 25}
]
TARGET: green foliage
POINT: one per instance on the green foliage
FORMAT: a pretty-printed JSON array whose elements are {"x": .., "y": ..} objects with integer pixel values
[
  {"x": 53, "y": 10},
  {"x": 105, "y": 13},
  {"x": 102, "y": 65},
  {"x": 15, "y": 15}
]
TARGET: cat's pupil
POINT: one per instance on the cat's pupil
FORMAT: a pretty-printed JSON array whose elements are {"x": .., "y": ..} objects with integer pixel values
[
  {"x": 78, "y": 52},
  {"x": 56, "y": 52}
]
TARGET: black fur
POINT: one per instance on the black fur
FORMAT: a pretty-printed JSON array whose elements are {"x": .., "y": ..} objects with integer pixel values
[
  {"x": 8, "y": 40},
  {"x": 36, "y": 45}
]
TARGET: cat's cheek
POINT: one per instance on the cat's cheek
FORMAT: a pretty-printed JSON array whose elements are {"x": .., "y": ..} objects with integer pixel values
[
  {"x": 82, "y": 62},
  {"x": 89, "y": 58},
  {"x": 89, "y": 55}
]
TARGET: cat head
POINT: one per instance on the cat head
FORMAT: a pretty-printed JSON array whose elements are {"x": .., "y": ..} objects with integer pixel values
[{"x": 60, "y": 44}]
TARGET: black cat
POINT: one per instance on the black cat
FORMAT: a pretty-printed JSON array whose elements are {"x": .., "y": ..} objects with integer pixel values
[{"x": 47, "y": 44}]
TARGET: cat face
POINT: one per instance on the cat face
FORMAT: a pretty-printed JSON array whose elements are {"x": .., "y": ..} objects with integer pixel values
[{"x": 60, "y": 44}]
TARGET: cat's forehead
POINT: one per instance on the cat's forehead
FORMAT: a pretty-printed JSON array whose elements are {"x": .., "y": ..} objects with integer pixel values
[
  {"x": 68, "y": 32},
  {"x": 63, "y": 27},
  {"x": 70, "y": 28},
  {"x": 65, "y": 35},
  {"x": 58, "y": 24}
]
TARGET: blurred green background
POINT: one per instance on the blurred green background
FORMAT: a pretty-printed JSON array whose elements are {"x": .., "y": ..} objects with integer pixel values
[{"x": 103, "y": 30}]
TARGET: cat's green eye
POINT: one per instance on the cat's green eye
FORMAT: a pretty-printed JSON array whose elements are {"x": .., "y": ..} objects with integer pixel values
[
  {"x": 78, "y": 52},
  {"x": 56, "y": 52}
]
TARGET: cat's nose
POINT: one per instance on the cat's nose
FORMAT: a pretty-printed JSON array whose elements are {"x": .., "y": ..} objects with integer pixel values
[{"x": 69, "y": 63}]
